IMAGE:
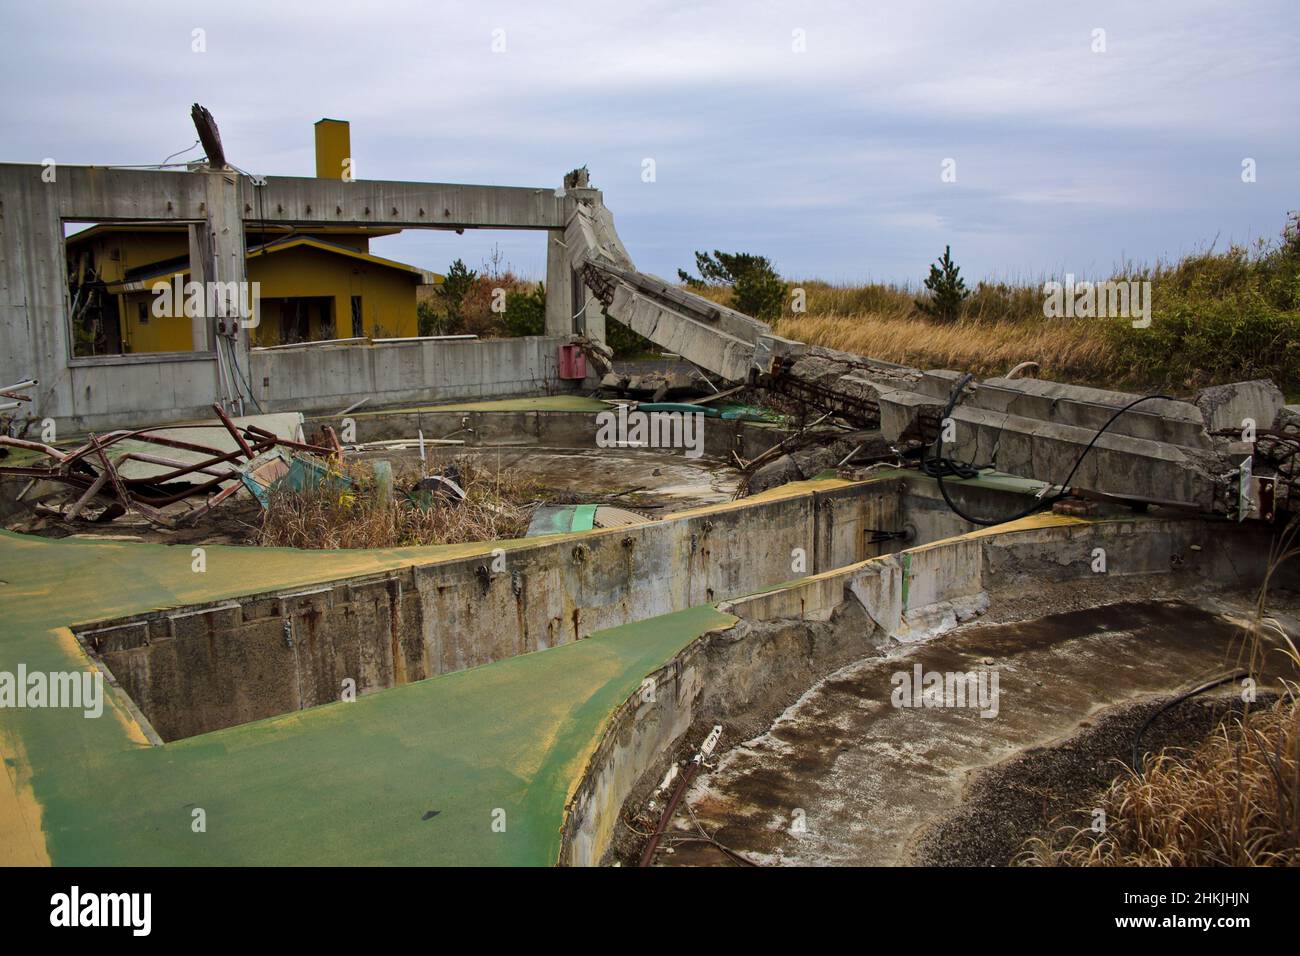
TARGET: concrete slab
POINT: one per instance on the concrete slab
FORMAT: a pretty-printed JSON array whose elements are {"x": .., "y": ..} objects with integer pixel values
[
  {"x": 417, "y": 775},
  {"x": 863, "y": 777}
]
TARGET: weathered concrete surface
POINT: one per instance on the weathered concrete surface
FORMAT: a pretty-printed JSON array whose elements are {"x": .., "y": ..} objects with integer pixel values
[
  {"x": 846, "y": 778},
  {"x": 197, "y": 669},
  {"x": 730, "y": 675},
  {"x": 331, "y": 377},
  {"x": 414, "y": 776},
  {"x": 713, "y": 337},
  {"x": 117, "y": 391},
  {"x": 788, "y": 637}
]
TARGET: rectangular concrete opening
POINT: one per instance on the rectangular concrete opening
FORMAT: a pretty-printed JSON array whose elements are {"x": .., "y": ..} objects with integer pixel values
[
  {"x": 197, "y": 669},
  {"x": 111, "y": 268}
]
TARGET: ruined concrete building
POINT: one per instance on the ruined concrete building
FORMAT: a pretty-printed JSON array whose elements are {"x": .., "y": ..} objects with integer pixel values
[{"x": 658, "y": 639}]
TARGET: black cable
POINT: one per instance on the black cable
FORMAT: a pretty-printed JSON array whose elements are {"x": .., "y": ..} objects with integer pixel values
[
  {"x": 239, "y": 372},
  {"x": 941, "y": 466},
  {"x": 1174, "y": 702}
]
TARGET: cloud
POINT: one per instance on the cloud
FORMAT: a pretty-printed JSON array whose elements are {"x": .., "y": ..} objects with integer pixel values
[{"x": 826, "y": 160}]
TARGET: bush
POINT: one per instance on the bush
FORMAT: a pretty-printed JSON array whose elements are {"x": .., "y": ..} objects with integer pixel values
[
  {"x": 947, "y": 290},
  {"x": 1220, "y": 317},
  {"x": 525, "y": 311},
  {"x": 625, "y": 342},
  {"x": 455, "y": 286},
  {"x": 756, "y": 288}
]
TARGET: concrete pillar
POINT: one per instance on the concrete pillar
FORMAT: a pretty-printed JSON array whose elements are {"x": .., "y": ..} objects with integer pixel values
[
  {"x": 570, "y": 306},
  {"x": 200, "y": 270},
  {"x": 591, "y": 315},
  {"x": 559, "y": 286},
  {"x": 592, "y": 318},
  {"x": 227, "y": 263}
]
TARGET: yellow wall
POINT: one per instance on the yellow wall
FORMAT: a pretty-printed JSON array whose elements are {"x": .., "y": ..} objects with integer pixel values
[
  {"x": 165, "y": 334},
  {"x": 388, "y": 298},
  {"x": 387, "y": 295},
  {"x": 134, "y": 251}
]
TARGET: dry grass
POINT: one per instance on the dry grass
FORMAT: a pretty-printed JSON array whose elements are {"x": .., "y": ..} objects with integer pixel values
[
  {"x": 1234, "y": 801},
  {"x": 1065, "y": 351},
  {"x": 497, "y": 507},
  {"x": 1001, "y": 326},
  {"x": 1216, "y": 316}
]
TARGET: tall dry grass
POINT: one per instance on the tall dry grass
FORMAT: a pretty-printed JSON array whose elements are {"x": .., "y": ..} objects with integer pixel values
[
  {"x": 497, "y": 507},
  {"x": 1001, "y": 326},
  {"x": 1233, "y": 801},
  {"x": 1064, "y": 351},
  {"x": 1216, "y": 316}
]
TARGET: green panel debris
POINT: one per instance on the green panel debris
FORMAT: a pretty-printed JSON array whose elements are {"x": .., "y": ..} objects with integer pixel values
[{"x": 561, "y": 519}]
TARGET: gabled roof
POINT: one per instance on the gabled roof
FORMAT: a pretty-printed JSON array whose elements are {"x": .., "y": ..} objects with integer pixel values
[
  {"x": 280, "y": 245},
  {"x": 144, "y": 282}
]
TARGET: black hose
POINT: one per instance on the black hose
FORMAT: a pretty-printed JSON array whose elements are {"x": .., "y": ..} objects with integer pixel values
[
  {"x": 1174, "y": 702},
  {"x": 940, "y": 466}
]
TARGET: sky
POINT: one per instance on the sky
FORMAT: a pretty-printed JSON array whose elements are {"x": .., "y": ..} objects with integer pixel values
[{"x": 844, "y": 141}]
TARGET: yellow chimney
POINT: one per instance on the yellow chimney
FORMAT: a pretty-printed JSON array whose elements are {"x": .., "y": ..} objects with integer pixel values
[{"x": 334, "y": 150}]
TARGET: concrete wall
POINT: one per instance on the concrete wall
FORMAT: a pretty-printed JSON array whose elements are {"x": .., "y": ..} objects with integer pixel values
[
  {"x": 100, "y": 392},
  {"x": 319, "y": 377},
  {"x": 198, "y": 669},
  {"x": 789, "y": 637}
]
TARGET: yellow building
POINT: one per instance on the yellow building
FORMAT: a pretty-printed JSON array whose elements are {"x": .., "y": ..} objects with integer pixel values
[{"x": 311, "y": 287}]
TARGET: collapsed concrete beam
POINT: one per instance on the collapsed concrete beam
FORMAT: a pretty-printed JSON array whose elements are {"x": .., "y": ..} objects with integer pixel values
[
  {"x": 1161, "y": 450},
  {"x": 711, "y": 336},
  {"x": 710, "y": 349},
  {"x": 1117, "y": 464}
]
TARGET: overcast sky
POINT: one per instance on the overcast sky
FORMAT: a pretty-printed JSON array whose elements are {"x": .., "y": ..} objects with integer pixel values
[{"x": 829, "y": 160}]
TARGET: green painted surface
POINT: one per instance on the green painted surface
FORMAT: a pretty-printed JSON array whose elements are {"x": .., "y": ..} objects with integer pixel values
[
  {"x": 584, "y": 518},
  {"x": 412, "y": 775}
]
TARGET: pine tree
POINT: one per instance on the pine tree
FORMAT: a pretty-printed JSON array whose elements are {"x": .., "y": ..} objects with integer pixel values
[{"x": 947, "y": 290}]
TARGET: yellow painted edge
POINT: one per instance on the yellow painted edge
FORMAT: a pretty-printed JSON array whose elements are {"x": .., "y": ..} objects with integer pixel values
[{"x": 22, "y": 842}]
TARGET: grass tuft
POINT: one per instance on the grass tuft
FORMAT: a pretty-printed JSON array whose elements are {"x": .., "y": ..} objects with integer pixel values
[{"x": 497, "y": 507}]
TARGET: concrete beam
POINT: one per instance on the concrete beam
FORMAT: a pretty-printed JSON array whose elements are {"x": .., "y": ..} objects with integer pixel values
[{"x": 309, "y": 201}]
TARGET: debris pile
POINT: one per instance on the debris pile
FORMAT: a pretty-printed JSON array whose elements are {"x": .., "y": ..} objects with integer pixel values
[
  {"x": 170, "y": 476},
  {"x": 372, "y": 504},
  {"x": 658, "y": 386}
]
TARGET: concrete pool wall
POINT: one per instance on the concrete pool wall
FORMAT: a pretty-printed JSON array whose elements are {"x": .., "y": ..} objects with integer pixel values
[
  {"x": 788, "y": 637},
  {"x": 195, "y": 669}
]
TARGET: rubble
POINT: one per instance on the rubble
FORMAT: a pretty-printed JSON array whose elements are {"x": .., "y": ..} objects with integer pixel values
[{"x": 118, "y": 473}]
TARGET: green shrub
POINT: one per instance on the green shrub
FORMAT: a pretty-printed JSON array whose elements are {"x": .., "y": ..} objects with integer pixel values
[
  {"x": 947, "y": 290},
  {"x": 625, "y": 342},
  {"x": 455, "y": 286},
  {"x": 756, "y": 287},
  {"x": 1220, "y": 317},
  {"x": 525, "y": 311}
]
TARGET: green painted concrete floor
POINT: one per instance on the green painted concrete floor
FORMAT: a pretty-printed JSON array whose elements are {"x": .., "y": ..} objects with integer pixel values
[{"x": 418, "y": 774}]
